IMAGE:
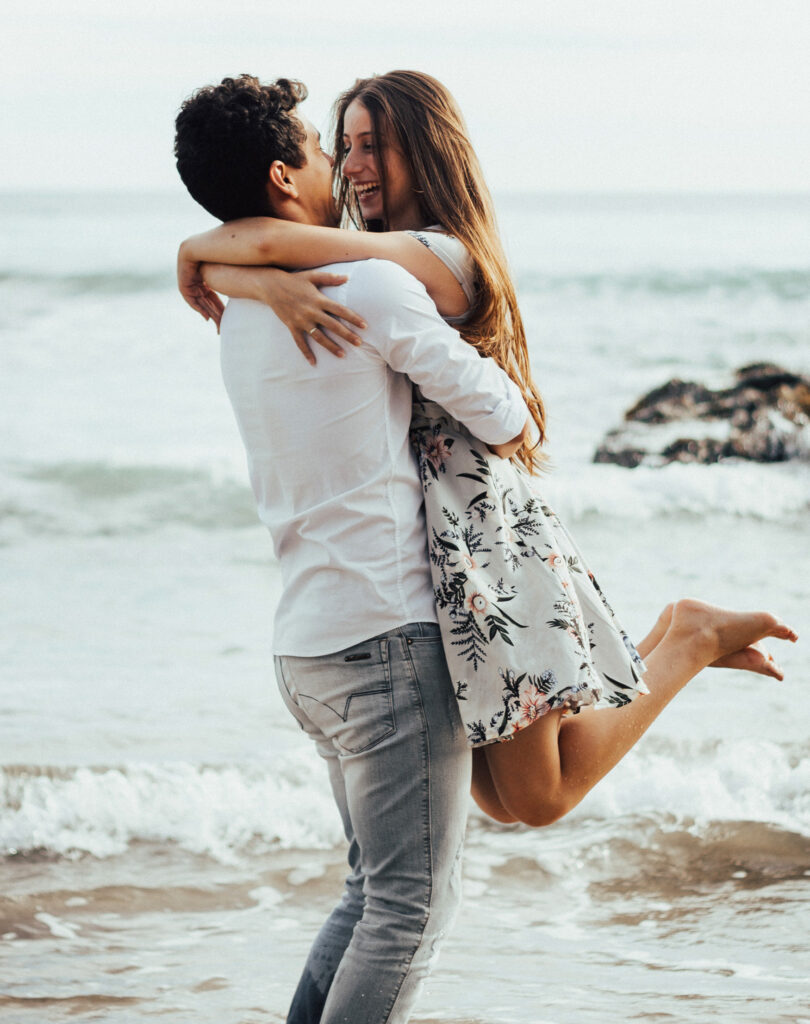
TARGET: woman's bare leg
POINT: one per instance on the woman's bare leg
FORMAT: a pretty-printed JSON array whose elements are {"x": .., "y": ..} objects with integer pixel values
[
  {"x": 657, "y": 633},
  {"x": 752, "y": 658},
  {"x": 550, "y": 766},
  {"x": 483, "y": 788},
  {"x": 484, "y": 792}
]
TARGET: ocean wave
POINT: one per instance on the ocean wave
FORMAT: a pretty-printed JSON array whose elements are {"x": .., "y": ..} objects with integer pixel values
[
  {"x": 787, "y": 285},
  {"x": 231, "y": 811},
  {"x": 773, "y": 493},
  {"x": 219, "y": 811},
  {"x": 101, "y": 499},
  {"x": 98, "y": 282},
  {"x": 784, "y": 284}
]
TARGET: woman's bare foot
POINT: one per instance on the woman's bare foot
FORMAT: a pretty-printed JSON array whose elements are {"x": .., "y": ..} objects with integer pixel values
[
  {"x": 755, "y": 658},
  {"x": 716, "y": 634}
]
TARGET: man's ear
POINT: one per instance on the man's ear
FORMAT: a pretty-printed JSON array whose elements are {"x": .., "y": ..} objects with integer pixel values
[{"x": 280, "y": 180}]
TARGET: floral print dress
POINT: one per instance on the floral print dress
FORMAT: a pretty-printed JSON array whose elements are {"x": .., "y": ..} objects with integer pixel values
[{"x": 525, "y": 626}]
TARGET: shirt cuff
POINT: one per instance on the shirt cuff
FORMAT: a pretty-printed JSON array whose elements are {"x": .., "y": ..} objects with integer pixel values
[{"x": 504, "y": 422}]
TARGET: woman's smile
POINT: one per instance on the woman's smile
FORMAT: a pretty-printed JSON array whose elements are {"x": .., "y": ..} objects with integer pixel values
[{"x": 365, "y": 189}]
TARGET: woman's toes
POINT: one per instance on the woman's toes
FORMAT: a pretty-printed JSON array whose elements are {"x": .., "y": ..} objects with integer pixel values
[
  {"x": 783, "y": 632},
  {"x": 754, "y": 658}
]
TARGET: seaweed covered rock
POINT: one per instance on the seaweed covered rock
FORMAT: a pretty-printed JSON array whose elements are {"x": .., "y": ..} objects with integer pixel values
[{"x": 764, "y": 416}]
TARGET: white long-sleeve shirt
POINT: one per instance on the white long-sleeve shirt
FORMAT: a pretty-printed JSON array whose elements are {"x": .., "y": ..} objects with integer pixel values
[{"x": 329, "y": 459}]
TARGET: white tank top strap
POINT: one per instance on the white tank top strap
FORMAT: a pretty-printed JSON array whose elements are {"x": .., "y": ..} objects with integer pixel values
[{"x": 455, "y": 257}]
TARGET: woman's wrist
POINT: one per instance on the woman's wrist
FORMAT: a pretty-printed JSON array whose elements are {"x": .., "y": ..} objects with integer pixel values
[
  {"x": 259, "y": 279},
  {"x": 235, "y": 282}
]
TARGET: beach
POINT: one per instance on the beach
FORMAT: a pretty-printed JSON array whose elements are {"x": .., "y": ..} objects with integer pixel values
[{"x": 168, "y": 842}]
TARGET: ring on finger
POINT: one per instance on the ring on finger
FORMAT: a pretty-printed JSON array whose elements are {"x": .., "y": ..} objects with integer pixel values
[{"x": 314, "y": 329}]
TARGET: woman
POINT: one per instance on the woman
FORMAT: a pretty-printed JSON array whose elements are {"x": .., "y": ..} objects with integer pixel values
[{"x": 528, "y": 635}]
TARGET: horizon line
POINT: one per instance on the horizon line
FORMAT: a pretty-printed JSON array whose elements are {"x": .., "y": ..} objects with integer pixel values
[{"x": 167, "y": 190}]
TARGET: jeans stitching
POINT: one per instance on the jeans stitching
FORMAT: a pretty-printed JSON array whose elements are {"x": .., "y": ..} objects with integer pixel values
[
  {"x": 341, "y": 748},
  {"x": 280, "y": 663}
]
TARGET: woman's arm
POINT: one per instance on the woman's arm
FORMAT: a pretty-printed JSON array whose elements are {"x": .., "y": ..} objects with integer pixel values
[{"x": 268, "y": 241}]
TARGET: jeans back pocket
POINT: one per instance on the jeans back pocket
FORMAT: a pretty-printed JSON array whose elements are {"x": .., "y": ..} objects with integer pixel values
[{"x": 347, "y": 696}]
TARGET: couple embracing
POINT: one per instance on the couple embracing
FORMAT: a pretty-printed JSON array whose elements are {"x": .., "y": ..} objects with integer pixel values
[{"x": 438, "y": 630}]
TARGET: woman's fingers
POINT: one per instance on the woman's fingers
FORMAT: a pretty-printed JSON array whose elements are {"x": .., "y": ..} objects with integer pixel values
[
  {"x": 191, "y": 285},
  {"x": 194, "y": 300},
  {"x": 346, "y": 314},
  {"x": 326, "y": 342},
  {"x": 342, "y": 331},
  {"x": 204, "y": 301},
  {"x": 304, "y": 339},
  {"x": 208, "y": 309},
  {"x": 301, "y": 339},
  {"x": 207, "y": 303},
  {"x": 215, "y": 307},
  {"x": 216, "y": 302},
  {"x": 323, "y": 279}
]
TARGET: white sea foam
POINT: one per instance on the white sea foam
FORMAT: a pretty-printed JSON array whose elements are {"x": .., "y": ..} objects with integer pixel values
[
  {"x": 740, "y": 780},
  {"x": 230, "y": 811},
  {"x": 771, "y": 493},
  {"x": 218, "y": 811}
]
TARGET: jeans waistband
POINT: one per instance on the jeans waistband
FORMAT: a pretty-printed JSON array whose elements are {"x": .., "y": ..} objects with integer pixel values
[{"x": 420, "y": 629}]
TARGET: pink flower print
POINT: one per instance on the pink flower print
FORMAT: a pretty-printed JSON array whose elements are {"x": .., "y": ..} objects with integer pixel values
[
  {"x": 476, "y": 602},
  {"x": 532, "y": 706},
  {"x": 555, "y": 560},
  {"x": 469, "y": 562},
  {"x": 437, "y": 451}
]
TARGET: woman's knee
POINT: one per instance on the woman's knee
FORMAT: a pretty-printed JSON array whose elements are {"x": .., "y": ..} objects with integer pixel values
[
  {"x": 537, "y": 808},
  {"x": 484, "y": 791},
  {"x": 490, "y": 803},
  {"x": 494, "y": 809}
]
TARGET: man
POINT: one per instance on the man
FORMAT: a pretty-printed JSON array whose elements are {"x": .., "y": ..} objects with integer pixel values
[{"x": 358, "y": 655}]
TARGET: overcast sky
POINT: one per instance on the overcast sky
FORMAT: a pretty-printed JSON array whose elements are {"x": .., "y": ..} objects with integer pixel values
[{"x": 581, "y": 95}]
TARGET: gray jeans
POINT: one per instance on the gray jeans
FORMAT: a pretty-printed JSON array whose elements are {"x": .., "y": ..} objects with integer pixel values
[{"x": 384, "y": 717}]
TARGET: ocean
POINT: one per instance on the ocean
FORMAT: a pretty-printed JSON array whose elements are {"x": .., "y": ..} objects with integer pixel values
[{"x": 168, "y": 844}]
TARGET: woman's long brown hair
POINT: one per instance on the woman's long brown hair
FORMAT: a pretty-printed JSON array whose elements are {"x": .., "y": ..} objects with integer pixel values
[{"x": 414, "y": 113}]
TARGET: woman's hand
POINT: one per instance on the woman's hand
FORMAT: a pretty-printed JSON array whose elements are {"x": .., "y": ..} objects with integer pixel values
[
  {"x": 195, "y": 291},
  {"x": 307, "y": 313}
]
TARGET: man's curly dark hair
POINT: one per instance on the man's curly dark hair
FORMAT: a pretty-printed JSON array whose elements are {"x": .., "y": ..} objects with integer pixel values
[{"x": 228, "y": 135}]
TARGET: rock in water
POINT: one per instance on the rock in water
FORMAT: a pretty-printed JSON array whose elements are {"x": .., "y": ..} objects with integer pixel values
[{"x": 764, "y": 416}]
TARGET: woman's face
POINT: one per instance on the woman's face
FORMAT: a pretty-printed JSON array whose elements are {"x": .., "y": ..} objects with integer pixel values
[{"x": 360, "y": 167}]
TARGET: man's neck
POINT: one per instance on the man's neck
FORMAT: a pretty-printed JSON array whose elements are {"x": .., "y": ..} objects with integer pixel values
[{"x": 293, "y": 211}]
